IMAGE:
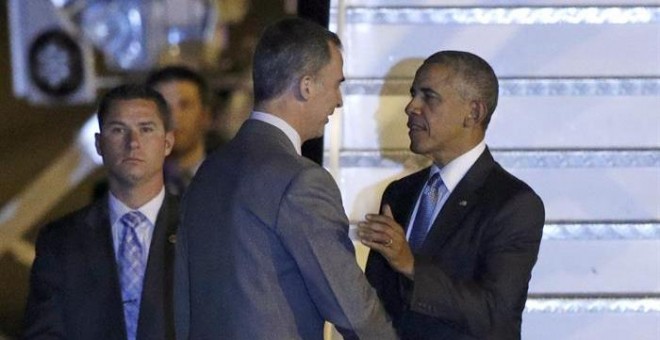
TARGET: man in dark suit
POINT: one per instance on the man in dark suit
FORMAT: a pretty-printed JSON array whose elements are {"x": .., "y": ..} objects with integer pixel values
[
  {"x": 455, "y": 243},
  {"x": 263, "y": 248},
  {"x": 106, "y": 271},
  {"x": 187, "y": 95}
]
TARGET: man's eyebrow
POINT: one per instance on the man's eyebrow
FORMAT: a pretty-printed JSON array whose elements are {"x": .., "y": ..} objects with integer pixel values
[
  {"x": 425, "y": 90},
  {"x": 120, "y": 123},
  {"x": 428, "y": 90}
]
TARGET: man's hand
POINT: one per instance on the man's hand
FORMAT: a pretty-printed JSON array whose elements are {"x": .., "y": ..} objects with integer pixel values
[{"x": 384, "y": 235}]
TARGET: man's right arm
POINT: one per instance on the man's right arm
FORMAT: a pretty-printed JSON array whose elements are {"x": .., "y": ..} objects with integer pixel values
[{"x": 314, "y": 228}]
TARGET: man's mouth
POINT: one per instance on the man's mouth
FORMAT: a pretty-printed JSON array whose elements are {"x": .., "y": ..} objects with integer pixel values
[
  {"x": 132, "y": 160},
  {"x": 413, "y": 127}
]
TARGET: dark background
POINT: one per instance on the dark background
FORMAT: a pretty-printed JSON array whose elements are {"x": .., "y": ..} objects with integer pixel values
[{"x": 33, "y": 137}]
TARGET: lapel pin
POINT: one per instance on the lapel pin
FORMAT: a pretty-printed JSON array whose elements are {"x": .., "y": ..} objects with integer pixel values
[
  {"x": 172, "y": 238},
  {"x": 462, "y": 203}
]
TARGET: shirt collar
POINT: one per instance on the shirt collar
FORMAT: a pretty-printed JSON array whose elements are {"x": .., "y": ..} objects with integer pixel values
[
  {"x": 281, "y": 124},
  {"x": 149, "y": 209},
  {"x": 454, "y": 171}
]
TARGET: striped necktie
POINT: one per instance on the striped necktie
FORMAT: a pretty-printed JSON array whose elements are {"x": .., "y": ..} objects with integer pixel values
[
  {"x": 131, "y": 269},
  {"x": 424, "y": 218}
]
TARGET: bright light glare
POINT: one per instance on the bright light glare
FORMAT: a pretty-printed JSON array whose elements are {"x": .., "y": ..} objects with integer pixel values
[{"x": 86, "y": 139}]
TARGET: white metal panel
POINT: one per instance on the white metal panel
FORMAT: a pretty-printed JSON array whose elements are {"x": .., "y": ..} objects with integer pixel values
[
  {"x": 596, "y": 266},
  {"x": 591, "y": 326},
  {"x": 596, "y": 193},
  {"x": 570, "y": 122},
  {"x": 513, "y": 50},
  {"x": 374, "y": 122}
]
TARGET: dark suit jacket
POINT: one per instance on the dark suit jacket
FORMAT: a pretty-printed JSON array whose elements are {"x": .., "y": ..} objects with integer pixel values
[
  {"x": 263, "y": 249},
  {"x": 472, "y": 271},
  {"x": 74, "y": 285}
]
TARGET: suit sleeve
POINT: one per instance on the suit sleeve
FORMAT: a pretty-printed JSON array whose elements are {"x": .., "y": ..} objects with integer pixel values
[
  {"x": 313, "y": 227},
  {"x": 496, "y": 296},
  {"x": 45, "y": 309}
]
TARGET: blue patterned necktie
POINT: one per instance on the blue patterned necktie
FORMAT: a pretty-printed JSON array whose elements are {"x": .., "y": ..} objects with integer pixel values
[
  {"x": 131, "y": 270},
  {"x": 423, "y": 219}
]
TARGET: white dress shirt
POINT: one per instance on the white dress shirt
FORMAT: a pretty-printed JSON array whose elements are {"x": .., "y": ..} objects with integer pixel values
[
  {"x": 451, "y": 174},
  {"x": 150, "y": 210},
  {"x": 281, "y": 124}
]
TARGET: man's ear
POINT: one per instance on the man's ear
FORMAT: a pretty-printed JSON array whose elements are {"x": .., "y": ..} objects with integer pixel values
[
  {"x": 477, "y": 114},
  {"x": 169, "y": 142},
  {"x": 306, "y": 87},
  {"x": 97, "y": 144}
]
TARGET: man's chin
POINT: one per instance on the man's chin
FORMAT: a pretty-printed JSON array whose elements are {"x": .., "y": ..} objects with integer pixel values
[
  {"x": 416, "y": 149},
  {"x": 130, "y": 179}
]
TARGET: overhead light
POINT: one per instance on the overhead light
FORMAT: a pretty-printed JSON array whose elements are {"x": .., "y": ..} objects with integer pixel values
[{"x": 132, "y": 34}]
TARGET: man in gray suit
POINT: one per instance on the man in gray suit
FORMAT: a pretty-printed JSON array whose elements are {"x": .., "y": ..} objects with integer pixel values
[{"x": 263, "y": 249}]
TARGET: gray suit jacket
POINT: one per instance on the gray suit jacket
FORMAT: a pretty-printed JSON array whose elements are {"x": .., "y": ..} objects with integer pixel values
[
  {"x": 74, "y": 286},
  {"x": 263, "y": 250}
]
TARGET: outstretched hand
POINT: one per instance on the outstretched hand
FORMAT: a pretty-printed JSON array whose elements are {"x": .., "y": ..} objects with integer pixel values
[{"x": 383, "y": 234}]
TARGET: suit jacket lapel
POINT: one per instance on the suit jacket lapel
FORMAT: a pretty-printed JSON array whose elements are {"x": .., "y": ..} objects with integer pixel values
[
  {"x": 460, "y": 202},
  {"x": 96, "y": 242},
  {"x": 163, "y": 239},
  {"x": 98, "y": 247},
  {"x": 156, "y": 310},
  {"x": 403, "y": 204}
]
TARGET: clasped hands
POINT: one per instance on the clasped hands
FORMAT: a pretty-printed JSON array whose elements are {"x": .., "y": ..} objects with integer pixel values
[{"x": 383, "y": 234}]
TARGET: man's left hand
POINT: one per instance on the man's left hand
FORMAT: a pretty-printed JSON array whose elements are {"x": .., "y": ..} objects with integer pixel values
[{"x": 384, "y": 235}]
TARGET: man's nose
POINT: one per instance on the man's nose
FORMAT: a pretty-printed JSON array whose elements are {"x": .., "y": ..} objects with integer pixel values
[
  {"x": 133, "y": 139},
  {"x": 412, "y": 108}
]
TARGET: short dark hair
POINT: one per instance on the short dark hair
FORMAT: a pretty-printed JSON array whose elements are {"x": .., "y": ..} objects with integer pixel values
[
  {"x": 133, "y": 91},
  {"x": 476, "y": 78},
  {"x": 287, "y": 50},
  {"x": 180, "y": 73}
]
